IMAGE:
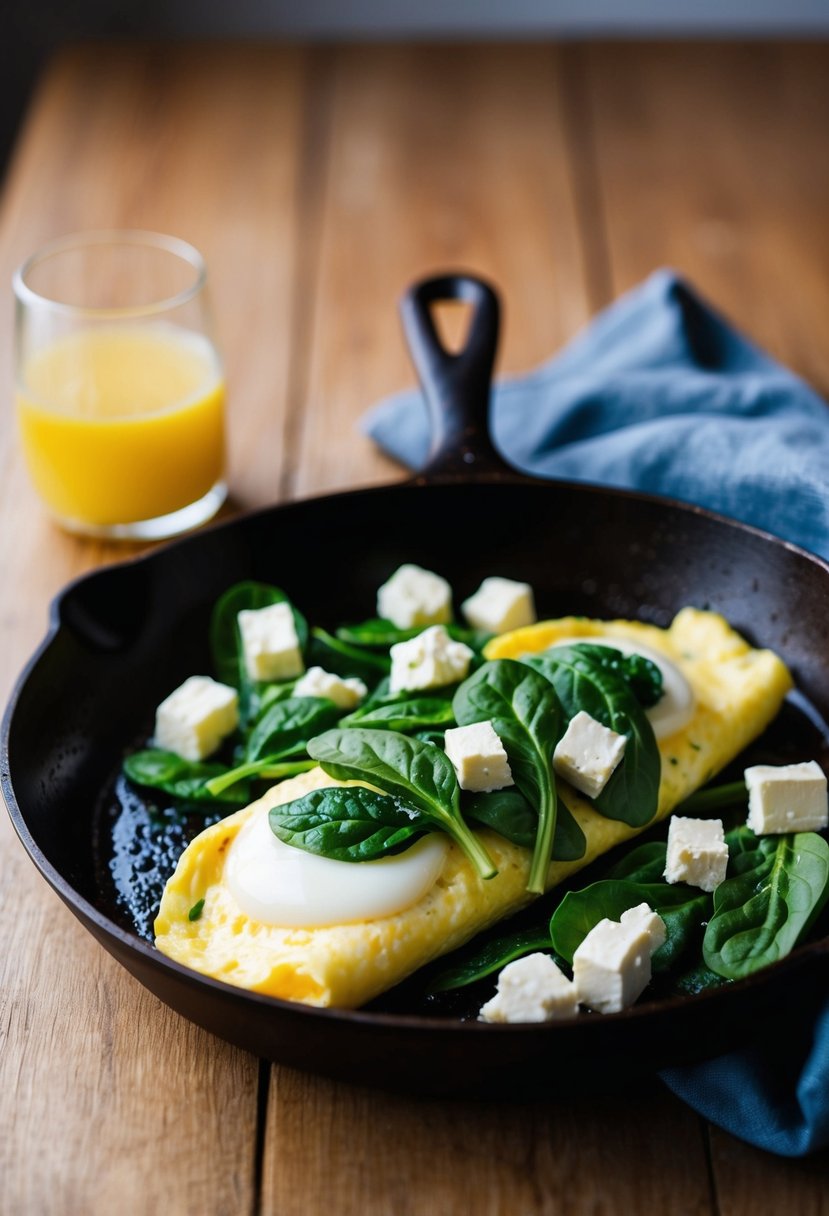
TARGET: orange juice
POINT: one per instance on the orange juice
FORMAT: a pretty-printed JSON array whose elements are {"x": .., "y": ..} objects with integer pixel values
[{"x": 122, "y": 424}]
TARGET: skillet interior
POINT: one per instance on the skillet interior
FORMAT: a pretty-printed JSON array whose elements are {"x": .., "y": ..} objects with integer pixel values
[{"x": 124, "y": 636}]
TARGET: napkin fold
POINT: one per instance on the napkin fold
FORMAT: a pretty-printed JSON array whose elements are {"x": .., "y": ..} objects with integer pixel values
[{"x": 661, "y": 394}]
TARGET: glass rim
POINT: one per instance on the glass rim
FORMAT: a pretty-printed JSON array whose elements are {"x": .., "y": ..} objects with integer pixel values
[{"x": 112, "y": 236}]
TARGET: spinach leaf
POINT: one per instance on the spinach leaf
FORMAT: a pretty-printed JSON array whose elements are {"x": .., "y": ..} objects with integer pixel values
[
  {"x": 226, "y": 641},
  {"x": 744, "y": 849},
  {"x": 642, "y": 676},
  {"x": 287, "y": 726},
  {"x": 526, "y": 715},
  {"x": 644, "y": 863},
  {"x": 381, "y": 694},
  {"x": 419, "y": 774},
  {"x": 481, "y": 959},
  {"x": 345, "y": 660},
  {"x": 418, "y": 713},
  {"x": 269, "y": 694},
  {"x": 376, "y": 633},
  {"x": 762, "y": 911},
  {"x": 632, "y": 793},
  {"x": 569, "y": 843},
  {"x": 508, "y": 813},
  {"x": 435, "y": 737},
  {"x": 683, "y": 909},
  {"x": 184, "y": 779},
  {"x": 714, "y": 798},
  {"x": 695, "y": 980},
  {"x": 381, "y": 635},
  {"x": 347, "y": 824}
]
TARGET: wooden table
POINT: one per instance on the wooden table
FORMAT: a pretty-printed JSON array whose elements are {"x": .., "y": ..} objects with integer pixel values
[{"x": 319, "y": 182}]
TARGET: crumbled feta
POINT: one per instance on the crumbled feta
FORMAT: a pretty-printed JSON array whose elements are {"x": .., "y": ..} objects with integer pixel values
[
  {"x": 319, "y": 683},
  {"x": 500, "y": 604},
  {"x": 269, "y": 642},
  {"x": 195, "y": 718},
  {"x": 428, "y": 661},
  {"x": 612, "y": 966},
  {"x": 787, "y": 798},
  {"x": 414, "y": 596},
  {"x": 478, "y": 757},
  {"x": 697, "y": 852},
  {"x": 588, "y": 753},
  {"x": 532, "y": 989}
]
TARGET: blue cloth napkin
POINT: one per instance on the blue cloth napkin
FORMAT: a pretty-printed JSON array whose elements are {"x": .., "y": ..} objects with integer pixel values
[{"x": 660, "y": 394}]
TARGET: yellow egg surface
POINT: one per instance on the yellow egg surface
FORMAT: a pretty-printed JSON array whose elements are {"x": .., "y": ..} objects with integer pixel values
[{"x": 738, "y": 691}]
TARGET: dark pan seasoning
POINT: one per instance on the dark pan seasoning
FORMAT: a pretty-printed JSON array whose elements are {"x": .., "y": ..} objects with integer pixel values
[{"x": 122, "y": 637}]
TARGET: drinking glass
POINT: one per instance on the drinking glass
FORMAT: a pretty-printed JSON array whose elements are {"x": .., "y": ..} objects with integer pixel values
[{"x": 119, "y": 387}]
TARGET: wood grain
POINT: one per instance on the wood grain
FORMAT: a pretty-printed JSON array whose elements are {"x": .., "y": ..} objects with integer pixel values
[
  {"x": 111, "y": 1102},
  {"x": 335, "y": 1147},
  {"x": 437, "y": 158},
  {"x": 319, "y": 182},
  {"x": 714, "y": 160},
  {"x": 743, "y": 1175}
]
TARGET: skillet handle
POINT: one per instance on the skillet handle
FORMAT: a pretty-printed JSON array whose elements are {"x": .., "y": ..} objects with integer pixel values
[{"x": 456, "y": 386}]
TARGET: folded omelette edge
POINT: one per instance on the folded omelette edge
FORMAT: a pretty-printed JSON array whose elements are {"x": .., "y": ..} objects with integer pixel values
[{"x": 738, "y": 691}]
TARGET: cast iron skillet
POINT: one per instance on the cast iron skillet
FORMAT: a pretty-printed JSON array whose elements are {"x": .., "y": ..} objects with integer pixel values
[{"x": 121, "y": 638}]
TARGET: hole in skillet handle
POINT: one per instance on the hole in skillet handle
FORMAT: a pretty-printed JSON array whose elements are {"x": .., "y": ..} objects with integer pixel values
[{"x": 456, "y": 385}]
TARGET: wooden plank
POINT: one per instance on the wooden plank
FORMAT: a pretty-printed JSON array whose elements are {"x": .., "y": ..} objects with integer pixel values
[
  {"x": 108, "y": 1100},
  {"x": 359, "y": 1152},
  {"x": 439, "y": 158},
  {"x": 750, "y": 1181},
  {"x": 713, "y": 159}
]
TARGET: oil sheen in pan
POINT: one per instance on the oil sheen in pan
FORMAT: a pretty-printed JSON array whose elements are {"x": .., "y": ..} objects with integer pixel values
[{"x": 138, "y": 837}]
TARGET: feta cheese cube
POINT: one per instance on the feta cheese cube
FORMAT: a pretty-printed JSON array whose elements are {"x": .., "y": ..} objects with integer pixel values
[
  {"x": 697, "y": 852},
  {"x": 500, "y": 604},
  {"x": 644, "y": 917},
  {"x": 478, "y": 757},
  {"x": 269, "y": 642},
  {"x": 612, "y": 966},
  {"x": 195, "y": 718},
  {"x": 319, "y": 683},
  {"x": 532, "y": 989},
  {"x": 414, "y": 596},
  {"x": 430, "y": 660},
  {"x": 588, "y": 753},
  {"x": 786, "y": 798}
]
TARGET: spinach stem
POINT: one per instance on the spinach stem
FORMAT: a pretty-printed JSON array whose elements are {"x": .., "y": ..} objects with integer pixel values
[
  {"x": 267, "y": 769},
  {"x": 714, "y": 798},
  {"x": 543, "y": 850},
  {"x": 471, "y": 846}
]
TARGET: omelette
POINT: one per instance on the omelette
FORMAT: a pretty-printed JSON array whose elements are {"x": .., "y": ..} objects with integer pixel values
[{"x": 735, "y": 693}]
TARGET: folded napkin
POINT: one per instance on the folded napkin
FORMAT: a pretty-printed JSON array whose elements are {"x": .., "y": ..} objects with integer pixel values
[
  {"x": 658, "y": 394},
  {"x": 661, "y": 394}
]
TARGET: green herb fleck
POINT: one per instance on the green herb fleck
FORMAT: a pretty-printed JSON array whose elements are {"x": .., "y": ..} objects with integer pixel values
[{"x": 196, "y": 911}]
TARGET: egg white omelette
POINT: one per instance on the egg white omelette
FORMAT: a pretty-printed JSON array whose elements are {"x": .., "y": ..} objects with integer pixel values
[{"x": 736, "y": 690}]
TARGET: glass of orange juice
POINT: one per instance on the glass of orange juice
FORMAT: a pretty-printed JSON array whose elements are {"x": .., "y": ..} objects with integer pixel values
[{"x": 119, "y": 385}]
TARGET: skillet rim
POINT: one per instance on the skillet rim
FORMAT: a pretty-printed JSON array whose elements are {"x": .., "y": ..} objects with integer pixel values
[{"x": 132, "y": 943}]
